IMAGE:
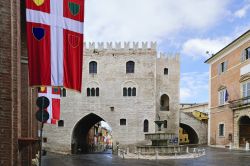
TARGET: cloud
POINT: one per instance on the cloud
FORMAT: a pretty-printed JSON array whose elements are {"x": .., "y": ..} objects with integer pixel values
[
  {"x": 198, "y": 47},
  {"x": 242, "y": 12},
  {"x": 148, "y": 20},
  {"x": 194, "y": 87}
]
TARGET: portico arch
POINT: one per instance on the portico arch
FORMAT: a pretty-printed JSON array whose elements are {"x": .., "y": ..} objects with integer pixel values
[{"x": 244, "y": 130}]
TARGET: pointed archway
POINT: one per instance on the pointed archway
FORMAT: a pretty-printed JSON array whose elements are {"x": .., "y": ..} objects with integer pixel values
[{"x": 79, "y": 135}]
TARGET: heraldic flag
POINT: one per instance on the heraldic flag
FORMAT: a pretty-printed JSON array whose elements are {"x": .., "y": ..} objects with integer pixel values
[
  {"x": 55, "y": 42},
  {"x": 54, "y": 96}
]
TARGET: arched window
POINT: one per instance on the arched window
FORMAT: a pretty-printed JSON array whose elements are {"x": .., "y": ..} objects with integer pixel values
[
  {"x": 97, "y": 91},
  {"x": 165, "y": 124},
  {"x": 134, "y": 92},
  {"x": 125, "y": 92},
  {"x": 92, "y": 91},
  {"x": 164, "y": 103},
  {"x": 145, "y": 126},
  {"x": 130, "y": 66},
  {"x": 88, "y": 91},
  {"x": 92, "y": 67},
  {"x": 129, "y": 91}
]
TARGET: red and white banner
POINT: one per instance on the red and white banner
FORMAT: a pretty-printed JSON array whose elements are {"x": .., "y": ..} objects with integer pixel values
[
  {"x": 54, "y": 96},
  {"x": 55, "y": 42}
]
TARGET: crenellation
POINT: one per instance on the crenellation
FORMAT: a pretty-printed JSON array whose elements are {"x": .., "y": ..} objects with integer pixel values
[
  {"x": 135, "y": 45},
  {"x": 169, "y": 56},
  {"x": 91, "y": 45},
  {"x": 100, "y": 45},
  {"x": 119, "y": 45},
  {"x": 144, "y": 45},
  {"x": 109, "y": 45},
  {"x": 126, "y": 45}
]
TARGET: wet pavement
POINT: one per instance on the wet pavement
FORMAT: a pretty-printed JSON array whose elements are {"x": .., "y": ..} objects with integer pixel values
[{"x": 213, "y": 157}]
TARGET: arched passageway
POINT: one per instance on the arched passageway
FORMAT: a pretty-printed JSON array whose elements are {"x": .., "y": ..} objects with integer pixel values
[
  {"x": 80, "y": 134},
  {"x": 244, "y": 130},
  {"x": 192, "y": 135}
]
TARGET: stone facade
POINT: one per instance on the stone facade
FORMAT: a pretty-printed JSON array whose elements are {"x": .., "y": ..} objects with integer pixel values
[
  {"x": 111, "y": 106},
  {"x": 235, "y": 63}
]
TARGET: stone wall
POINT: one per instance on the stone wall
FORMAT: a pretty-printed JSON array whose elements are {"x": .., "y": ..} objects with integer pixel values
[{"x": 168, "y": 84}]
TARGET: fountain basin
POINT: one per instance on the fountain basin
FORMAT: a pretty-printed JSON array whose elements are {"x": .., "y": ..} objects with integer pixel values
[{"x": 161, "y": 150}]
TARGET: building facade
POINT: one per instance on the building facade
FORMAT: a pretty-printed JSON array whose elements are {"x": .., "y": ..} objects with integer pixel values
[
  {"x": 228, "y": 94},
  {"x": 18, "y": 126},
  {"x": 128, "y": 87}
]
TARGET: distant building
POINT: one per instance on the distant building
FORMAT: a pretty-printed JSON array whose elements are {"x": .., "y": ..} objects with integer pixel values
[
  {"x": 98, "y": 139},
  {"x": 229, "y": 93},
  {"x": 183, "y": 136},
  {"x": 193, "y": 123}
]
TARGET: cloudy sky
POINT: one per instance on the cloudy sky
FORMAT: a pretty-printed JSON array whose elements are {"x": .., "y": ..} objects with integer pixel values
[{"x": 189, "y": 27}]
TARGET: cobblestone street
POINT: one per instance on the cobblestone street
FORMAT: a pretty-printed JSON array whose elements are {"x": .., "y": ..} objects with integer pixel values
[{"x": 213, "y": 157}]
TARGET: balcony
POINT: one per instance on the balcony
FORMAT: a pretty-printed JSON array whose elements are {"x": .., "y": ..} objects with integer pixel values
[{"x": 240, "y": 103}]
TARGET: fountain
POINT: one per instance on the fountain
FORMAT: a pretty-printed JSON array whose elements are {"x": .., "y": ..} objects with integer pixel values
[
  {"x": 163, "y": 143},
  {"x": 159, "y": 123}
]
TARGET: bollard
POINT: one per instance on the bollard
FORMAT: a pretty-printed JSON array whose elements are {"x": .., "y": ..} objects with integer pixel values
[
  {"x": 204, "y": 151},
  {"x": 187, "y": 150},
  {"x": 127, "y": 150},
  {"x": 156, "y": 155},
  {"x": 247, "y": 146},
  {"x": 230, "y": 145},
  {"x": 119, "y": 152}
]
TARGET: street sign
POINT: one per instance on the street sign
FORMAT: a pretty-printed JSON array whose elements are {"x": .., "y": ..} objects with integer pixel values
[
  {"x": 176, "y": 140},
  {"x": 42, "y": 116},
  {"x": 42, "y": 102}
]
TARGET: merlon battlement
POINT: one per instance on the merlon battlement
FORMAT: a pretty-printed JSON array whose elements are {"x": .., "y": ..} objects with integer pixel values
[
  {"x": 169, "y": 56},
  {"x": 119, "y": 45}
]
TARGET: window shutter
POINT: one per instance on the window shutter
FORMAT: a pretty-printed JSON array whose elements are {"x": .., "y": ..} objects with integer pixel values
[
  {"x": 244, "y": 90},
  {"x": 225, "y": 65},
  {"x": 219, "y": 69},
  {"x": 243, "y": 55}
]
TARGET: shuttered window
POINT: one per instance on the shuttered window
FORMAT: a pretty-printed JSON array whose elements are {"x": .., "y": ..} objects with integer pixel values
[
  {"x": 222, "y": 67},
  {"x": 245, "y": 54}
]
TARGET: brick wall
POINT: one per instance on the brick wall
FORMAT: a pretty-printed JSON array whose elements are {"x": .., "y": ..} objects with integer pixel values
[
  {"x": 16, "y": 112},
  {"x": 222, "y": 115},
  {"x": 229, "y": 78},
  {"x": 10, "y": 82}
]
